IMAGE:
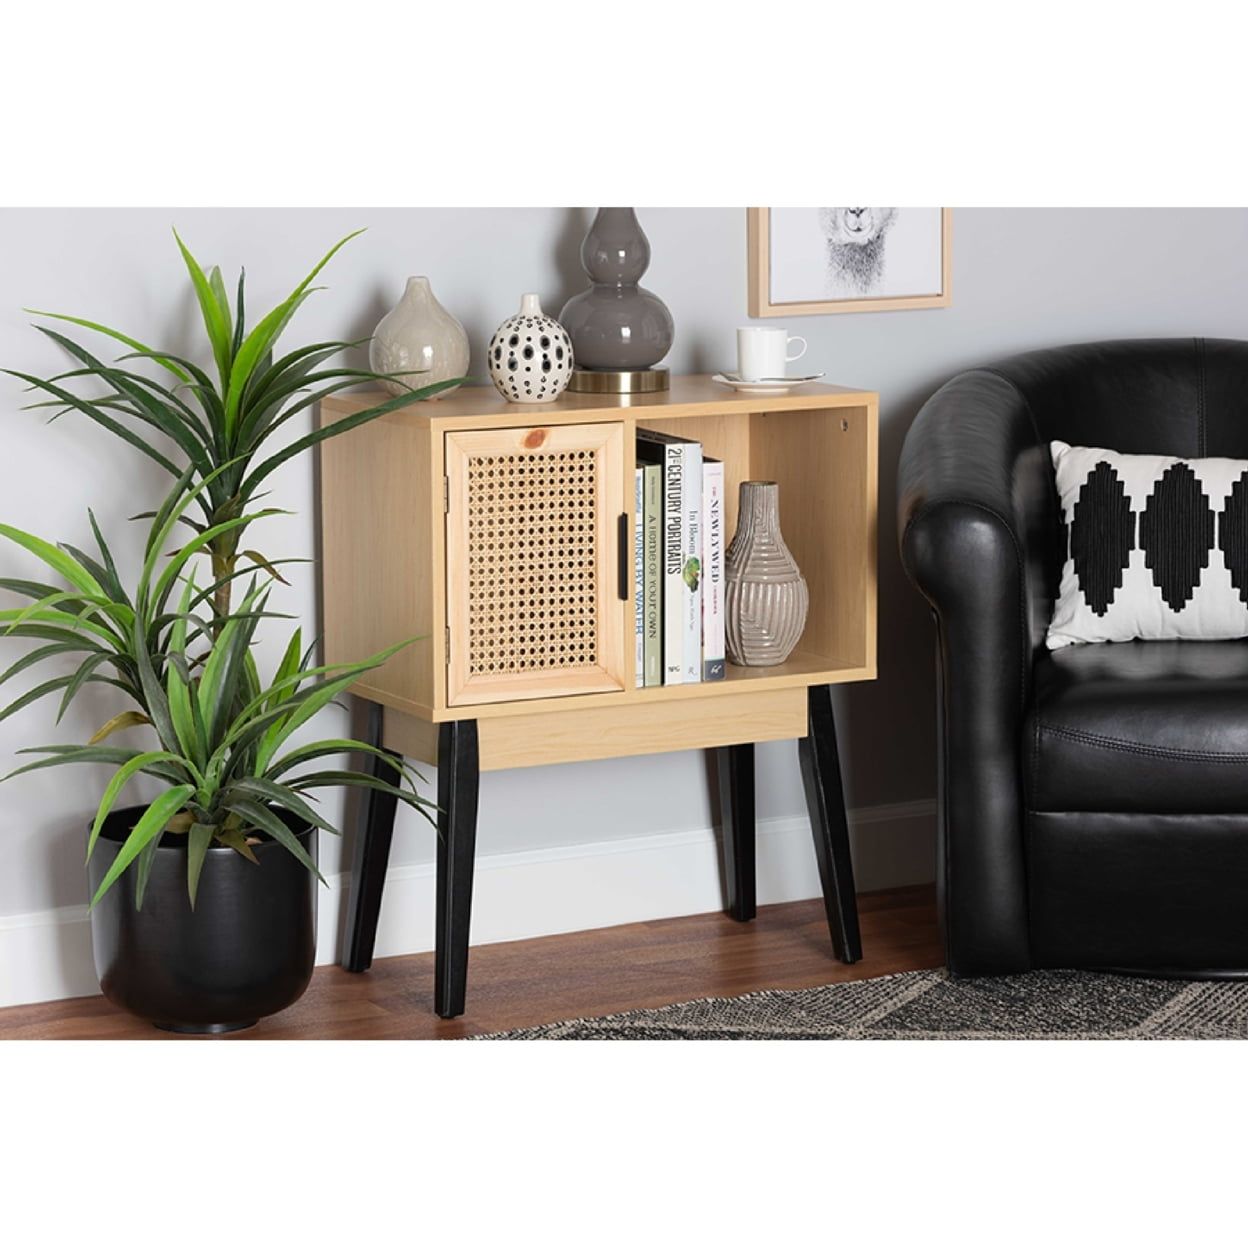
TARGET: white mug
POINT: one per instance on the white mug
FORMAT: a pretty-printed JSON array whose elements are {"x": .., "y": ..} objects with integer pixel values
[{"x": 762, "y": 352}]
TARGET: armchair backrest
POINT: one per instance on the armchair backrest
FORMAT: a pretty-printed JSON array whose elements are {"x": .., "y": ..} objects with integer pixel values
[{"x": 1162, "y": 396}]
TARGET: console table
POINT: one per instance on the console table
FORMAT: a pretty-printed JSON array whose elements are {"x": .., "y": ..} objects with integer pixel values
[{"x": 473, "y": 523}]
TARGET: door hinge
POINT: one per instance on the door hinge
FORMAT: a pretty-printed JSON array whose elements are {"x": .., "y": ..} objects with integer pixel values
[{"x": 446, "y": 495}]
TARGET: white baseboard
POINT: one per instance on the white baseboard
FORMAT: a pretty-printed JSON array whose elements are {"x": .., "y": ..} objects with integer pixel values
[{"x": 46, "y": 956}]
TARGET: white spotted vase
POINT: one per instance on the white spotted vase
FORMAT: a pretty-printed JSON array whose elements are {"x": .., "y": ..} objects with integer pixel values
[
  {"x": 530, "y": 355},
  {"x": 765, "y": 595}
]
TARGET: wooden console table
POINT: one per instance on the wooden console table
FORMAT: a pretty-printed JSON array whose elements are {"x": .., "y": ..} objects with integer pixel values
[{"x": 474, "y": 524}]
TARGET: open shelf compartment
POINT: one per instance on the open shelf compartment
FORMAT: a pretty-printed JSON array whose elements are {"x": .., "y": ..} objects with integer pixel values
[{"x": 824, "y": 461}]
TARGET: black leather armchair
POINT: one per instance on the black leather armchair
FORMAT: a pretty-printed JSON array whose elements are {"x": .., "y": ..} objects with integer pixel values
[{"x": 1093, "y": 800}]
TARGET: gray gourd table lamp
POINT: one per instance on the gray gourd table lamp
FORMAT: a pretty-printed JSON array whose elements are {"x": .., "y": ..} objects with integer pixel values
[{"x": 619, "y": 330}]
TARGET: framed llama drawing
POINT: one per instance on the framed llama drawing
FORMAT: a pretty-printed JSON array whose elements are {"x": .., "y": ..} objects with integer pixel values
[{"x": 807, "y": 261}]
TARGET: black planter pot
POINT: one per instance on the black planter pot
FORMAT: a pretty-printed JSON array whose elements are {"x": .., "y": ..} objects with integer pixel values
[{"x": 246, "y": 951}]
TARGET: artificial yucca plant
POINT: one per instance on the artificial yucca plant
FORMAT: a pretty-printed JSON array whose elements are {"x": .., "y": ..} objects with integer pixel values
[
  {"x": 223, "y": 422},
  {"x": 221, "y": 735},
  {"x": 177, "y": 649}
]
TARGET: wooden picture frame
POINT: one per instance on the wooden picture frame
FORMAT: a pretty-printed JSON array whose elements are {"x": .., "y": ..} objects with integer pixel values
[{"x": 762, "y": 304}]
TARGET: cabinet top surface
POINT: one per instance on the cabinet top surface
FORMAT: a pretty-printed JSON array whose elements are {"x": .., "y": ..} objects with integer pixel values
[{"x": 688, "y": 396}]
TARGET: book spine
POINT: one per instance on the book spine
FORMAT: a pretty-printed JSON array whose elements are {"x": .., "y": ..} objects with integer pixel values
[
  {"x": 713, "y": 570},
  {"x": 673, "y": 563},
  {"x": 691, "y": 569},
  {"x": 639, "y": 576},
  {"x": 653, "y": 497}
]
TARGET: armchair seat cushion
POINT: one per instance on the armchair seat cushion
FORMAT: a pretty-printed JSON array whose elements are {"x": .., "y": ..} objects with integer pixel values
[{"x": 1146, "y": 726}]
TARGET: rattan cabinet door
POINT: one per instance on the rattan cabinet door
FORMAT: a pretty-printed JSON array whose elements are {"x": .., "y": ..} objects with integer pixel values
[{"x": 532, "y": 563}]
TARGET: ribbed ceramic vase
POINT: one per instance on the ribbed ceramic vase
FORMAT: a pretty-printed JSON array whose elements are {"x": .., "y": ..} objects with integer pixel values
[
  {"x": 421, "y": 335},
  {"x": 766, "y": 599}
]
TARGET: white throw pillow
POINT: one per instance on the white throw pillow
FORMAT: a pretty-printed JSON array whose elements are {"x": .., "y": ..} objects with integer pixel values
[{"x": 1156, "y": 548}]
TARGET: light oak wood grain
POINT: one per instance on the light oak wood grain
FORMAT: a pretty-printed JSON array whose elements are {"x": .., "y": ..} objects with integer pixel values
[
  {"x": 482, "y": 407},
  {"x": 410, "y": 735},
  {"x": 825, "y": 466},
  {"x": 379, "y": 491},
  {"x": 799, "y": 671},
  {"x": 625, "y": 728},
  {"x": 819, "y": 443}
]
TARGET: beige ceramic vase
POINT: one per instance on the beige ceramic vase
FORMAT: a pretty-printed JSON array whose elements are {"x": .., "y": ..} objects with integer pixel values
[
  {"x": 766, "y": 599},
  {"x": 420, "y": 335}
]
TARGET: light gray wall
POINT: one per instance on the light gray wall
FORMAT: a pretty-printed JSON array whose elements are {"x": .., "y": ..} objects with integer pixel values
[{"x": 1022, "y": 278}]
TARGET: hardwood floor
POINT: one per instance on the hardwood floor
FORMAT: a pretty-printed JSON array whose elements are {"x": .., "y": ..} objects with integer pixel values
[{"x": 577, "y": 975}]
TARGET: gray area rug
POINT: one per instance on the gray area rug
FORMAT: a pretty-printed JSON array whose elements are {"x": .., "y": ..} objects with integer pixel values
[{"x": 927, "y": 1005}]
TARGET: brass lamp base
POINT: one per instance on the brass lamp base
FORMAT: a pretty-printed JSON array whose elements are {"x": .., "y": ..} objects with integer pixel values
[{"x": 626, "y": 381}]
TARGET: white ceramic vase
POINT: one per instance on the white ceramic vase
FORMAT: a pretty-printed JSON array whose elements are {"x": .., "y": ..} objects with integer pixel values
[
  {"x": 530, "y": 355},
  {"x": 420, "y": 338}
]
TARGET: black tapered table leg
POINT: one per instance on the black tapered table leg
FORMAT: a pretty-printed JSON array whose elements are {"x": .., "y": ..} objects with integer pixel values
[
  {"x": 459, "y": 776},
  {"x": 735, "y": 767},
  {"x": 825, "y": 799},
  {"x": 370, "y": 857}
]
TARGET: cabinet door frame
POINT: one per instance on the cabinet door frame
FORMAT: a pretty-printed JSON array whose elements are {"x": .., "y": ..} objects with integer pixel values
[{"x": 609, "y": 674}]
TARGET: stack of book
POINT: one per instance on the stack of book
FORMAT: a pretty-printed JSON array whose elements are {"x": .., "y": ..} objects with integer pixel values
[{"x": 678, "y": 560}]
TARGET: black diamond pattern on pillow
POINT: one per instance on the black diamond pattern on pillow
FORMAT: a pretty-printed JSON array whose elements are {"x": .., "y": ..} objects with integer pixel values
[
  {"x": 1102, "y": 536},
  {"x": 1176, "y": 534},
  {"x": 1233, "y": 535}
]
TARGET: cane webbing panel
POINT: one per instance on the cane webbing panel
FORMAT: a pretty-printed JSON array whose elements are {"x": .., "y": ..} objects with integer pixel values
[{"x": 532, "y": 560}]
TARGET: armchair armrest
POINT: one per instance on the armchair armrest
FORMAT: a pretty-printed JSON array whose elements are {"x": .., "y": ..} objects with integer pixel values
[{"x": 978, "y": 525}]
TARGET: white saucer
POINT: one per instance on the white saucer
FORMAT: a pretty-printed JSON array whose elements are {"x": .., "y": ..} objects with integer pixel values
[{"x": 767, "y": 385}]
